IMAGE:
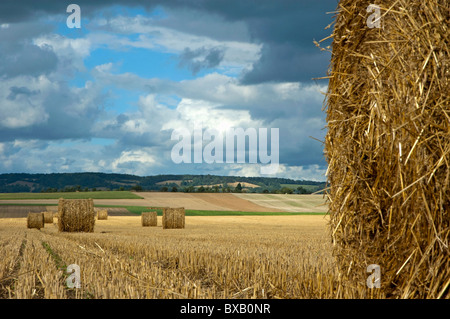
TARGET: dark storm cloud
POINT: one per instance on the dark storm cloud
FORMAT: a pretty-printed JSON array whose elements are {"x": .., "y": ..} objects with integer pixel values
[
  {"x": 287, "y": 62},
  {"x": 27, "y": 59},
  {"x": 12, "y": 11},
  {"x": 69, "y": 114},
  {"x": 19, "y": 56},
  {"x": 286, "y": 28},
  {"x": 202, "y": 58}
]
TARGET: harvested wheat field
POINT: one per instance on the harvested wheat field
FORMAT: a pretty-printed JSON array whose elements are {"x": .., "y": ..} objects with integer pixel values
[
  {"x": 288, "y": 202},
  {"x": 239, "y": 202},
  {"x": 213, "y": 257},
  {"x": 205, "y": 201}
]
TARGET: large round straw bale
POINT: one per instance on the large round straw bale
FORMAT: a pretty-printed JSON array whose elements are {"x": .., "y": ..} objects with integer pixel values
[
  {"x": 173, "y": 218},
  {"x": 76, "y": 215},
  {"x": 388, "y": 146},
  {"x": 35, "y": 220},
  {"x": 48, "y": 217},
  {"x": 102, "y": 214},
  {"x": 149, "y": 219}
]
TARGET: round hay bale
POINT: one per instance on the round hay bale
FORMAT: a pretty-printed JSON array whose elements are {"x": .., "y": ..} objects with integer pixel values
[
  {"x": 149, "y": 219},
  {"x": 173, "y": 218},
  {"x": 48, "y": 217},
  {"x": 76, "y": 215},
  {"x": 35, "y": 220},
  {"x": 388, "y": 146},
  {"x": 102, "y": 214}
]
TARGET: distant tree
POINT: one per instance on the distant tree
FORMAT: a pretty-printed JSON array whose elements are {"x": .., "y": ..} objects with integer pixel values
[
  {"x": 286, "y": 190},
  {"x": 164, "y": 189},
  {"x": 121, "y": 188},
  {"x": 136, "y": 188},
  {"x": 189, "y": 189},
  {"x": 174, "y": 189},
  {"x": 201, "y": 189},
  {"x": 301, "y": 190},
  {"x": 238, "y": 188},
  {"x": 216, "y": 189},
  {"x": 265, "y": 191}
]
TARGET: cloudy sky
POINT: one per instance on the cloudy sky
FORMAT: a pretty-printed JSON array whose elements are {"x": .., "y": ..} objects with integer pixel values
[{"x": 106, "y": 97}]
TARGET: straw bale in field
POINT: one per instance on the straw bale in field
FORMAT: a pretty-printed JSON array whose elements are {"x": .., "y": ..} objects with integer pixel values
[
  {"x": 35, "y": 220},
  {"x": 102, "y": 214},
  {"x": 388, "y": 146},
  {"x": 149, "y": 219},
  {"x": 48, "y": 217},
  {"x": 76, "y": 215},
  {"x": 173, "y": 218}
]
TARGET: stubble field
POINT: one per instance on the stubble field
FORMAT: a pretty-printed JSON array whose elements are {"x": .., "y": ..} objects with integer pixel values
[{"x": 213, "y": 257}]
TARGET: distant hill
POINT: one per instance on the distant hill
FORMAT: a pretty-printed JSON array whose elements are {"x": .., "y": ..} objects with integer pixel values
[{"x": 22, "y": 182}]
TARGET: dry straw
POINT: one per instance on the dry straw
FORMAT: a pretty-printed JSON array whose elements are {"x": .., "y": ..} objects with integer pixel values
[
  {"x": 149, "y": 219},
  {"x": 102, "y": 214},
  {"x": 173, "y": 218},
  {"x": 48, "y": 217},
  {"x": 76, "y": 215},
  {"x": 35, "y": 220},
  {"x": 388, "y": 146}
]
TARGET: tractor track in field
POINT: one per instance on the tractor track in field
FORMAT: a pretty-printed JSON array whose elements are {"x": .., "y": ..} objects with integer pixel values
[
  {"x": 60, "y": 264},
  {"x": 9, "y": 280}
]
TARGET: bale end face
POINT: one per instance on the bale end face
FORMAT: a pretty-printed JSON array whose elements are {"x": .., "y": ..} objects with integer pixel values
[
  {"x": 76, "y": 215},
  {"x": 173, "y": 218},
  {"x": 48, "y": 217},
  {"x": 149, "y": 219},
  {"x": 35, "y": 220},
  {"x": 102, "y": 214}
]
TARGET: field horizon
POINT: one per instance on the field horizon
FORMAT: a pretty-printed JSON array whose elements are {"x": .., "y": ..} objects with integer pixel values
[{"x": 293, "y": 203}]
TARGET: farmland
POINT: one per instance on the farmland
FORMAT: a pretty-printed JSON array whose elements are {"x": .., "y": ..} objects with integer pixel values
[
  {"x": 219, "y": 254},
  {"x": 213, "y": 257},
  {"x": 191, "y": 201},
  {"x": 71, "y": 195}
]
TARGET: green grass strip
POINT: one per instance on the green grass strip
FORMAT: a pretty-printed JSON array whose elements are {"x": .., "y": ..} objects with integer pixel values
[{"x": 56, "y": 258}]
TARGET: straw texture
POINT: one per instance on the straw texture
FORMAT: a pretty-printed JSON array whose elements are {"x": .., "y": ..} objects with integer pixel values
[
  {"x": 76, "y": 215},
  {"x": 173, "y": 218},
  {"x": 388, "y": 146},
  {"x": 149, "y": 219},
  {"x": 35, "y": 220},
  {"x": 102, "y": 214},
  {"x": 48, "y": 217}
]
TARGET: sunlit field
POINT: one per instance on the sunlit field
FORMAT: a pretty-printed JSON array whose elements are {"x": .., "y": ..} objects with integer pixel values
[{"x": 213, "y": 257}]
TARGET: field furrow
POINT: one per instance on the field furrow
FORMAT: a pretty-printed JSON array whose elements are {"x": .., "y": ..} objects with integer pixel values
[{"x": 39, "y": 278}]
